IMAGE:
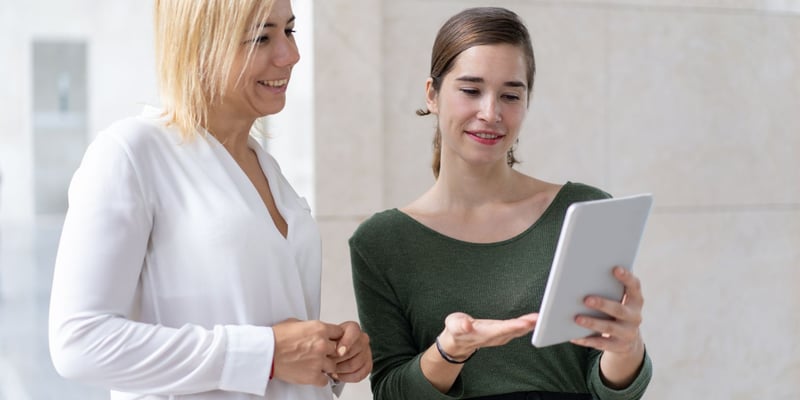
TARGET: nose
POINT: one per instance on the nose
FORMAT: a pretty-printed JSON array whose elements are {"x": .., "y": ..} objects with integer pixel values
[
  {"x": 286, "y": 53},
  {"x": 489, "y": 110}
]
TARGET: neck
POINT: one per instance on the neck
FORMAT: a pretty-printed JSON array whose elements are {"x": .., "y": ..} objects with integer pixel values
[
  {"x": 474, "y": 186},
  {"x": 231, "y": 131}
]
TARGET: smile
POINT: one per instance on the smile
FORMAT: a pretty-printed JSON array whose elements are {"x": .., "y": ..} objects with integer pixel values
[
  {"x": 275, "y": 83},
  {"x": 483, "y": 135}
]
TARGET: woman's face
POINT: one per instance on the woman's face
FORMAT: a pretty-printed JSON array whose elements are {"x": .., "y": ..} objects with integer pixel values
[
  {"x": 481, "y": 104},
  {"x": 261, "y": 89}
]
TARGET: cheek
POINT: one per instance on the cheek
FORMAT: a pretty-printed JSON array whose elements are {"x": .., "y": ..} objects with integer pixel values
[
  {"x": 456, "y": 109},
  {"x": 516, "y": 114}
]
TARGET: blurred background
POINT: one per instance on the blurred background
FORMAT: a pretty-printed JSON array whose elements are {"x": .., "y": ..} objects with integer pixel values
[{"x": 696, "y": 101}]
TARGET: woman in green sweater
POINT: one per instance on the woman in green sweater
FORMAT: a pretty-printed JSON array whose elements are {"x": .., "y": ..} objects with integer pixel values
[{"x": 462, "y": 267}]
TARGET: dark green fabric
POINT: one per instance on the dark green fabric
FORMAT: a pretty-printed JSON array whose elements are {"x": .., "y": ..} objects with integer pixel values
[{"x": 408, "y": 278}]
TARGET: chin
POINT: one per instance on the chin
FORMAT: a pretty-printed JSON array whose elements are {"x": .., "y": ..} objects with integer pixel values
[{"x": 271, "y": 109}]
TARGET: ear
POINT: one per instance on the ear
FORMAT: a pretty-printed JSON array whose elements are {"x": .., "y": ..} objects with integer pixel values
[{"x": 431, "y": 97}]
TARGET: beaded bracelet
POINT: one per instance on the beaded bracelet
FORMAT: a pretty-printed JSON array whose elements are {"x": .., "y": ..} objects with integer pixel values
[{"x": 447, "y": 357}]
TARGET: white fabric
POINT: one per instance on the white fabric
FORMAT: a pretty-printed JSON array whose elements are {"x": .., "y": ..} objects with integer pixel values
[{"x": 170, "y": 271}]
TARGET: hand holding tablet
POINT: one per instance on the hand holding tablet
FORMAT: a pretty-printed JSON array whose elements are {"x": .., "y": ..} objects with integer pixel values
[{"x": 596, "y": 236}]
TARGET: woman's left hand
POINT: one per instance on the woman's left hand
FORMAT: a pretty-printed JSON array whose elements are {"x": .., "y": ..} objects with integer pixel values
[
  {"x": 619, "y": 339},
  {"x": 354, "y": 361}
]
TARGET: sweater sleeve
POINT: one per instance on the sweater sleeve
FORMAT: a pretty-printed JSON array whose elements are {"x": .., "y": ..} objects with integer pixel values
[
  {"x": 396, "y": 372},
  {"x": 634, "y": 391},
  {"x": 93, "y": 336}
]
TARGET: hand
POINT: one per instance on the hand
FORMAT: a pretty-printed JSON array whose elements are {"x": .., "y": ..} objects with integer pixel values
[
  {"x": 463, "y": 335},
  {"x": 305, "y": 351},
  {"x": 620, "y": 339},
  {"x": 620, "y": 334},
  {"x": 354, "y": 361}
]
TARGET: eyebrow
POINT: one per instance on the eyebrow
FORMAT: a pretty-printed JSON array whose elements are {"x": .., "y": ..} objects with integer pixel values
[
  {"x": 272, "y": 25},
  {"x": 476, "y": 79}
]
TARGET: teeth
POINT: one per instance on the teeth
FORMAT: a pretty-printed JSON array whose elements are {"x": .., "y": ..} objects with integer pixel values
[
  {"x": 277, "y": 83},
  {"x": 486, "y": 136}
]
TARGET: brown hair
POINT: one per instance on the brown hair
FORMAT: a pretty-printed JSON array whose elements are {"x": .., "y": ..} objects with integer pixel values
[{"x": 469, "y": 28}]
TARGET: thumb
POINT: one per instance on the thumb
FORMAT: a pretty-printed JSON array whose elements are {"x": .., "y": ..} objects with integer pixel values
[{"x": 467, "y": 325}]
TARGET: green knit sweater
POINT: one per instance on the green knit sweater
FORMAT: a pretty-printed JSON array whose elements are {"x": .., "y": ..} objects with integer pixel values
[{"x": 408, "y": 278}]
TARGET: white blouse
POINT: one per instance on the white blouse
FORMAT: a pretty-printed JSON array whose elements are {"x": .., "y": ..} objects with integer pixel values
[{"x": 170, "y": 271}]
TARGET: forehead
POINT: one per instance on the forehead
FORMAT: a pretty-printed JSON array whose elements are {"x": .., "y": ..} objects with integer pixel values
[
  {"x": 503, "y": 61},
  {"x": 281, "y": 11}
]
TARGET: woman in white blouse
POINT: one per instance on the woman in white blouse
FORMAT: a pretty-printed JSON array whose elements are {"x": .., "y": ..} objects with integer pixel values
[{"x": 188, "y": 267}]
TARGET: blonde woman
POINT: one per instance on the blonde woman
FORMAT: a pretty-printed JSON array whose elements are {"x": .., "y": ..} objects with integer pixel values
[{"x": 188, "y": 267}]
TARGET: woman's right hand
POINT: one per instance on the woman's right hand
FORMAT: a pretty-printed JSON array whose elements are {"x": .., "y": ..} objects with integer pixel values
[
  {"x": 305, "y": 351},
  {"x": 463, "y": 335}
]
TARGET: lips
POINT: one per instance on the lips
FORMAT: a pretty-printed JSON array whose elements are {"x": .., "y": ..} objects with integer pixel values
[
  {"x": 486, "y": 137},
  {"x": 278, "y": 83}
]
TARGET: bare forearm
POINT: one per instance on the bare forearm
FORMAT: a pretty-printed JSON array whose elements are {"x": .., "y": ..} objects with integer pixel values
[
  {"x": 440, "y": 373},
  {"x": 618, "y": 370}
]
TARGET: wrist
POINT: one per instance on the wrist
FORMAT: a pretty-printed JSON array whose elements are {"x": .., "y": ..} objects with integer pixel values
[{"x": 450, "y": 357}]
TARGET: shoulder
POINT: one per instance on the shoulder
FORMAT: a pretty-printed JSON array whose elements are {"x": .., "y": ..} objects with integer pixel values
[
  {"x": 118, "y": 142},
  {"x": 136, "y": 134},
  {"x": 575, "y": 191},
  {"x": 379, "y": 227}
]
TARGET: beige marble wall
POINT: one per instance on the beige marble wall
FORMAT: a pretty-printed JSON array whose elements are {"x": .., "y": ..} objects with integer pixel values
[
  {"x": 348, "y": 142},
  {"x": 693, "y": 100}
]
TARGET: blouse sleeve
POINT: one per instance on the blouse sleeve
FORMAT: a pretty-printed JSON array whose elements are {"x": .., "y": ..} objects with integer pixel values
[
  {"x": 92, "y": 334},
  {"x": 396, "y": 372},
  {"x": 634, "y": 391}
]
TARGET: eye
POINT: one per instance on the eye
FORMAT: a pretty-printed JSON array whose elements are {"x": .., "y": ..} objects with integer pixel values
[
  {"x": 511, "y": 97},
  {"x": 289, "y": 32},
  {"x": 470, "y": 91},
  {"x": 260, "y": 39}
]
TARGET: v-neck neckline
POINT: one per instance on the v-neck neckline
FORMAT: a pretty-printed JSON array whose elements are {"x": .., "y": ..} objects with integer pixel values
[{"x": 252, "y": 191}]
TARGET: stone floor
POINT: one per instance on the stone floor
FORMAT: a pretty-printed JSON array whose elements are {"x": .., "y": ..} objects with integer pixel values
[{"x": 27, "y": 252}]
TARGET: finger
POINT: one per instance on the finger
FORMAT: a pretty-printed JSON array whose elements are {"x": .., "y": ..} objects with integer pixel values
[
  {"x": 352, "y": 364},
  {"x": 597, "y": 325},
  {"x": 351, "y": 352},
  {"x": 598, "y": 342},
  {"x": 467, "y": 325},
  {"x": 458, "y": 323},
  {"x": 489, "y": 333},
  {"x": 333, "y": 332},
  {"x": 356, "y": 376},
  {"x": 352, "y": 334},
  {"x": 514, "y": 327},
  {"x": 328, "y": 366},
  {"x": 325, "y": 347},
  {"x": 533, "y": 317},
  {"x": 633, "y": 286},
  {"x": 619, "y": 331},
  {"x": 613, "y": 309},
  {"x": 361, "y": 346}
]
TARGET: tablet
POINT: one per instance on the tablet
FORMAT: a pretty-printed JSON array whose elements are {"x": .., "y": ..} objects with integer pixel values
[{"x": 596, "y": 236}]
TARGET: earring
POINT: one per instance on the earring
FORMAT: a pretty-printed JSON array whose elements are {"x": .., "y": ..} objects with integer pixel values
[{"x": 510, "y": 159}]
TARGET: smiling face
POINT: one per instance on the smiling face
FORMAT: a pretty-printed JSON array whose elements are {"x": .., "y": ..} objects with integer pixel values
[
  {"x": 260, "y": 89},
  {"x": 481, "y": 104}
]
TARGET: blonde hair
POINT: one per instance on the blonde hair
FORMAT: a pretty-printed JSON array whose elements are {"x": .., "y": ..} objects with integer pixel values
[{"x": 197, "y": 42}]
